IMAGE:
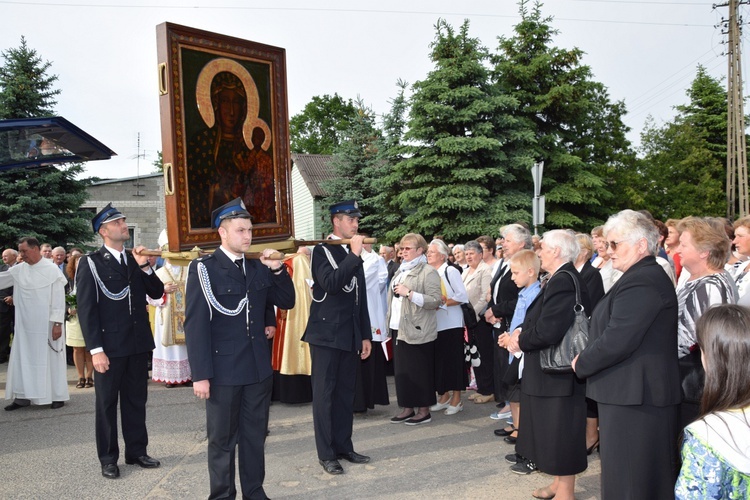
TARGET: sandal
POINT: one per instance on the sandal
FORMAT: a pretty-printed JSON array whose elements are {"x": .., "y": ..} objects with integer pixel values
[
  {"x": 81, "y": 383},
  {"x": 544, "y": 493},
  {"x": 89, "y": 382}
]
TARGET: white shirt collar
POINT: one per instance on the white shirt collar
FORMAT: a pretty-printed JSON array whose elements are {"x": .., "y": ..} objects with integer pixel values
[
  {"x": 233, "y": 256},
  {"x": 116, "y": 253}
]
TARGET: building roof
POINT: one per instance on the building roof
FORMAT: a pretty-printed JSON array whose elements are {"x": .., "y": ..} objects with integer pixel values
[
  {"x": 314, "y": 169},
  {"x": 127, "y": 179}
]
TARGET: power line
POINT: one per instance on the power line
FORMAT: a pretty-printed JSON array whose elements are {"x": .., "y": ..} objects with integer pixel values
[
  {"x": 646, "y": 106},
  {"x": 351, "y": 11},
  {"x": 649, "y": 95},
  {"x": 645, "y": 2}
]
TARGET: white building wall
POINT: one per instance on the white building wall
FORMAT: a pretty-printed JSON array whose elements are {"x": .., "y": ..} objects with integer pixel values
[{"x": 302, "y": 201}]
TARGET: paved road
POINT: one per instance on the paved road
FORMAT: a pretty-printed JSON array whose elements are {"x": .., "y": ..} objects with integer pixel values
[{"x": 48, "y": 453}]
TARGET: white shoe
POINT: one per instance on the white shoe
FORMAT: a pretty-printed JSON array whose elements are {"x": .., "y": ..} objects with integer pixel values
[
  {"x": 452, "y": 410},
  {"x": 440, "y": 406}
]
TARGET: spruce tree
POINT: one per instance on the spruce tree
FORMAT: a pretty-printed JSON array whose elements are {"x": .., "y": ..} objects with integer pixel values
[
  {"x": 390, "y": 151},
  {"x": 43, "y": 202},
  {"x": 683, "y": 169},
  {"x": 579, "y": 133},
  {"x": 353, "y": 163},
  {"x": 463, "y": 155},
  {"x": 26, "y": 90}
]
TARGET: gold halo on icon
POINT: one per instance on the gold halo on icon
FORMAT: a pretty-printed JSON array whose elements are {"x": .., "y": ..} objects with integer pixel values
[{"x": 206, "y": 109}]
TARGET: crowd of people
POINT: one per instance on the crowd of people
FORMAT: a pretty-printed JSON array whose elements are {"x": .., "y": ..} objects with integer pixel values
[
  {"x": 667, "y": 355},
  {"x": 645, "y": 285}
]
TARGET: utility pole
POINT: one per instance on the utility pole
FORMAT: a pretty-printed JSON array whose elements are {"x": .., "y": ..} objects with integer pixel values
[{"x": 737, "y": 189}]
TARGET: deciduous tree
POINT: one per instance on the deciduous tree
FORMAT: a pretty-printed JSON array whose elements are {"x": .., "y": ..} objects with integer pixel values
[{"x": 320, "y": 127}]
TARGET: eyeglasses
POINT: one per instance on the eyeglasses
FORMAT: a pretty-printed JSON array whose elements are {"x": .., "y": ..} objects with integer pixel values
[
  {"x": 613, "y": 244},
  {"x": 407, "y": 248}
]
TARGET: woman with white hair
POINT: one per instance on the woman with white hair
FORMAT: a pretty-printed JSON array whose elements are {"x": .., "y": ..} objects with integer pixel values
[
  {"x": 450, "y": 373},
  {"x": 552, "y": 434},
  {"x": 630, "y": 366},
  {"x": 459, "y": 257}
]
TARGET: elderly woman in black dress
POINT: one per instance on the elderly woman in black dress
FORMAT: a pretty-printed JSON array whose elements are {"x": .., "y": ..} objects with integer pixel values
[
  {"x": 552, "y": 435},
  {"x": 630, "y": 366}
]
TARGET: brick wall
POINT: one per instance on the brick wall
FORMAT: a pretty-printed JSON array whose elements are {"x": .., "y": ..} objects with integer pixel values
[{"x": 140, "y": 199}]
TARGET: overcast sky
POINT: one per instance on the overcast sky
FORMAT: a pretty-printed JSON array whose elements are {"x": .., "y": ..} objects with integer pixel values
[{"x": 104, "y": 52}]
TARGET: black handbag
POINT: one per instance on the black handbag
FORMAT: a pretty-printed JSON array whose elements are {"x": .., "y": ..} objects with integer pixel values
[
  {"x": 470, "y": 317},
  {"x": 559, "y": 358},
  {"x": 692, "y": 377}
]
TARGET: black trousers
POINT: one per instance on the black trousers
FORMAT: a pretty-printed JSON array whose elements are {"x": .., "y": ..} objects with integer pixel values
[
  {"x": 126, "y": 380},
  {"x": 6, "y": 327},
  {"x": 237, "y": 415},
  {"x": 334, "y": 375},
  {"x": 500, "y": 368}
]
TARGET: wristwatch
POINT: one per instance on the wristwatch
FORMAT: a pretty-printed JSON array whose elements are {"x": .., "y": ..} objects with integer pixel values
[
  {"x": 144, "y": 265},
  {"x": 277, "y": 269}
]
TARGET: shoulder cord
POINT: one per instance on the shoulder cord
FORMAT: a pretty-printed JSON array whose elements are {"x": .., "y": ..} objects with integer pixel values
[
  {"x": 125, "y": 292},
  {"x": 353, "y": 285},
  {"x": 208, "y": 293}
]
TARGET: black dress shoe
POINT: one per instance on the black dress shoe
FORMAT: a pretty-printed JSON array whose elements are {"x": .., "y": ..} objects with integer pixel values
[
  {"x": 354, "y": 457},
  {"x": 510, "y": 439},
  {"x": 332, "y": 466},
  {"x": 110, "y": 471},
  {"x": 57, "y": 404},
  {"x": 143, "y": 461},
  {"x": 503, "y": 432},
  {"x": 14, "y": 406}
]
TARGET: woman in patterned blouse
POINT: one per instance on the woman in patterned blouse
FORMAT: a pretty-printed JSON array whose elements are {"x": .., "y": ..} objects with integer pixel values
[
  {"x": 704, "y": 250},
  {"x": 716, "y": 447}
]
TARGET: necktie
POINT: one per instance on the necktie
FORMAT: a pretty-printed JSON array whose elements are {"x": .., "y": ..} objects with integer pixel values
[
  {"x": 239, "y": 265},
  {"x": 544, "y": 280},
  {"x": 122, "y": 262}
]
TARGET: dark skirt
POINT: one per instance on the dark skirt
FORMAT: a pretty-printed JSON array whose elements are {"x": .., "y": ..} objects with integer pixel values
[
  {"x": 553, "y": 432},
  {"x": 414, "y": 366},
  {"x": 371, "y": 387},
  {"x": 291, "y": 389},
  {"x": 484, "y": 373},
  {"x": 450, "y": 367},
  {"x": 639, "y": 451}
]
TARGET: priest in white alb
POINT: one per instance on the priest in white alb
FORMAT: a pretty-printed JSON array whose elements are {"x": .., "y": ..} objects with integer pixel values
[{"x": 36, "y": 372}]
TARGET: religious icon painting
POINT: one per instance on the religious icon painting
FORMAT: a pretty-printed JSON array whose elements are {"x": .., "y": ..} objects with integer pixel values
[{"x": 224, "y": 134}]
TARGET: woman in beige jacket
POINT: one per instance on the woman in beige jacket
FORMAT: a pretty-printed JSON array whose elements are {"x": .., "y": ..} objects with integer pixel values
[
  {"x": 413, "y": 299},
  {"x": 477, "y": 280}
]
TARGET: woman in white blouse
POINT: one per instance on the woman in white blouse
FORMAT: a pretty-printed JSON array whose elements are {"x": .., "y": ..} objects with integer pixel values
[{"x": 450, "y": 372}]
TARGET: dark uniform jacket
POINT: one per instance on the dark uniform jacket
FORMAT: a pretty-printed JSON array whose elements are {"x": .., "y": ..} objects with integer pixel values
[
  {"x": 338, "y": 319},
  {"x": 121, "y": 327},
  {"x": 631, "y": 358},
  {"x": 507, "y": 296},
  {"x": 232, "y": 350}
]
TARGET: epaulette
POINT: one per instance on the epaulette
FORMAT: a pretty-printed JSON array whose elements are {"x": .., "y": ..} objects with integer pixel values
[{"x": 204, "y": 258}]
